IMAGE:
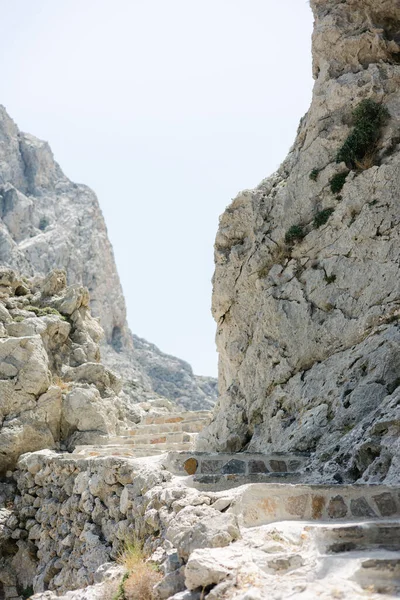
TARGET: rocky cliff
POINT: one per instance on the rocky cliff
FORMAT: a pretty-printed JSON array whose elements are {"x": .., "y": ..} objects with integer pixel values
[
  {"x": 54, "y": 391},
  {"x": 48, "y": 222},
  {"x": 307, "y": 283}
]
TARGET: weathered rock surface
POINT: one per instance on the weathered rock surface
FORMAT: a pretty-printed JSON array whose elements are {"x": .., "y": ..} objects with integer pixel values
[
  {"x": 53, "y": 388},
  {"x": 308, "y": 326},
  {"x": 72, "y": 516},
  {"x": 173, "y": 378},
  {"x": 48, "y": 222}
]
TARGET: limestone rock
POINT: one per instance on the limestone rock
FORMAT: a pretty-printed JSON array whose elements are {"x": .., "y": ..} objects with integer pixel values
[
  {"x": 307, "y": 283},
  {"x": 47, "y": 221},
  {"x": 201, "y": 527},
  {"x": 173, "y": 378},
  {"x": 52, "y": 387}
]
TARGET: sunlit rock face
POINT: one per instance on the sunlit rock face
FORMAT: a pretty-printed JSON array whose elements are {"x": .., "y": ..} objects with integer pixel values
[
  {"x": 47, "y": 222},
  {"x": 307, "y": 283},
  {"x": 53, "y": 388}
]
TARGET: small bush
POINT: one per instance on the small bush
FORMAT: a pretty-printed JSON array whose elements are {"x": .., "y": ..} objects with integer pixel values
[
  {"x": 338, "y": 181},
  {"x": 141, "y": 576},
  {"x": 26, "y": 592},
  {"x": 47, "y": 310},
  {"x": 33, "y": 309},
  {"x": 322, "y": 217},
  {"x": 295, "y": 233},
  {"x": 43, "y": 223},
  {"x": 314, "y": 174},
  {"x": 369, "y": 118},
  {"x": 19, "y": 319},
  {"x": 330, "y": 278}
]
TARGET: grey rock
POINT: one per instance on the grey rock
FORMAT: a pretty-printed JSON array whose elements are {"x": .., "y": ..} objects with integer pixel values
[
  {"x": 46, "y": 221},
  {"x": 308, "y": 330}
]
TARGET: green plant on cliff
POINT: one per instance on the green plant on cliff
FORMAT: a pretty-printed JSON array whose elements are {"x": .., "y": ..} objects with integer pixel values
[
  {"x": 25, "y": 592},
  {"x": 358, "y": 151},
  {"x": 294, "y": 233},
  {"x": 314, "y": 174},
  {"x": 47, "y": 310},
  {"x": 43, "y": 223},
  {"x": 337, "y": 182},
  {"x": 322, "y": 217}
]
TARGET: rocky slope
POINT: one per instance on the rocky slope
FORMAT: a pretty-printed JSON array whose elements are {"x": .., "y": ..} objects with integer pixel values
[
  {"x": 48, "y": 222},
  {"x": 55, "y": 392},
  {"x": 173, "y": 378},
  {"x": 307, "y": 281}
]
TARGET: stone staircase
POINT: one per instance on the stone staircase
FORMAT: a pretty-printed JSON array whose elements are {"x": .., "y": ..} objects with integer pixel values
[
  {"x": 348, "y": 536},
  {"x": 155, "y": 434},
  {"x": 325, "y": 541},
  {"x": 368, "y": 552}
]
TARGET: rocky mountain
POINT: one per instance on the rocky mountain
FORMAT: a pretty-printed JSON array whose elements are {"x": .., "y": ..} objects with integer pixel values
[
  {"x": 173, "y": 378},
  {"x": 55, "y": 392},
  {"x": 48, "y": 222},
  {"x": 307, "y": 279}
]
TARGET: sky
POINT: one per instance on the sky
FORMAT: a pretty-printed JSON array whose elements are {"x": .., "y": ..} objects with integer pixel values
[{"x": 167, "y": 109}]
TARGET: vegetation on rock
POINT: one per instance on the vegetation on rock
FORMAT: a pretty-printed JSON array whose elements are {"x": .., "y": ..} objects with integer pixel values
[
  {"x": 314, "y": 174},
  {"x": 294, "y": 233},
  {"x": 322, "y": 217},
  {"x": 359, "y": 149},
  {"x": 141, "y": 576},
  {"x": 338, "y": 181}
]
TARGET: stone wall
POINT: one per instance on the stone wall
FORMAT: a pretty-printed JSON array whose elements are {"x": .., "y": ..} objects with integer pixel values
[{"x": 71, "y": 515}]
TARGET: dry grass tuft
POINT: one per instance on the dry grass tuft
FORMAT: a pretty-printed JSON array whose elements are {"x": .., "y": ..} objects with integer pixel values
[
  {"x": 368, "y": 161},
  {"x": 63, "y": 385},
  {"x": 141, "y": 576}
]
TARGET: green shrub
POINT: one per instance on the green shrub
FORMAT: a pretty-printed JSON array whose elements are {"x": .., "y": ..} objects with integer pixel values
[
  {"x": 314, "y": 174},
  {"x": 19, "y": 319},
  {"x": 360, "y": 146},
  {"x": 330, "y": 278},
  {"x": 322, "y": 217},
  {"x": 26, "y": 592},
  {"x": 43, "y": 223},
  {"x": 295, "y": 233},
  {"x": 337, "y": 182},
  {"x": 47, "y": 310}
]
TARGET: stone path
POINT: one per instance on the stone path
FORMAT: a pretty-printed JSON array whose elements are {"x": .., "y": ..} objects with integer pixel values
[
  {"x": 325, "y": 541},
  {"x": 153, "y": 435}
]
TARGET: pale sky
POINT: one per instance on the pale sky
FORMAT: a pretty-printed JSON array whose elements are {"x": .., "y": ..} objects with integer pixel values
[{"x": 167, "y": 109}]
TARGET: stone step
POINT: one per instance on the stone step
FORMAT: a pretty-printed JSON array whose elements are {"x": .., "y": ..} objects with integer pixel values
[
  {"x": 142, "y": 441},
  {"x": 194, "y": 426},
  {"x": 376, "y": 571},
  {"x": 126, "y": 451},
  {"x": 219, "y": 482},
  {"x": 266, "y": 503},
  {"x": 185, "y": 417},
  {"x": 380, "y": 574},
  {"x": 361, "y": 536},
  {"x": 243, "y": 463}
]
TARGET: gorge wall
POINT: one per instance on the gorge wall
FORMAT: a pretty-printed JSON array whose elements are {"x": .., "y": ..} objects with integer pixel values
[
  {"x": 307, "y": 283},
  {"x": 48, "y": 222}
]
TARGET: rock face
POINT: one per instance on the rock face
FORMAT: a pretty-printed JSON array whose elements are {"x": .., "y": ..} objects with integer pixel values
[
  {"x": 53, "y": 389},
  {"x": 48, "y": 222},
  {"x": 173, "y": 378},
  {"x": 307, "y": 282}
]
